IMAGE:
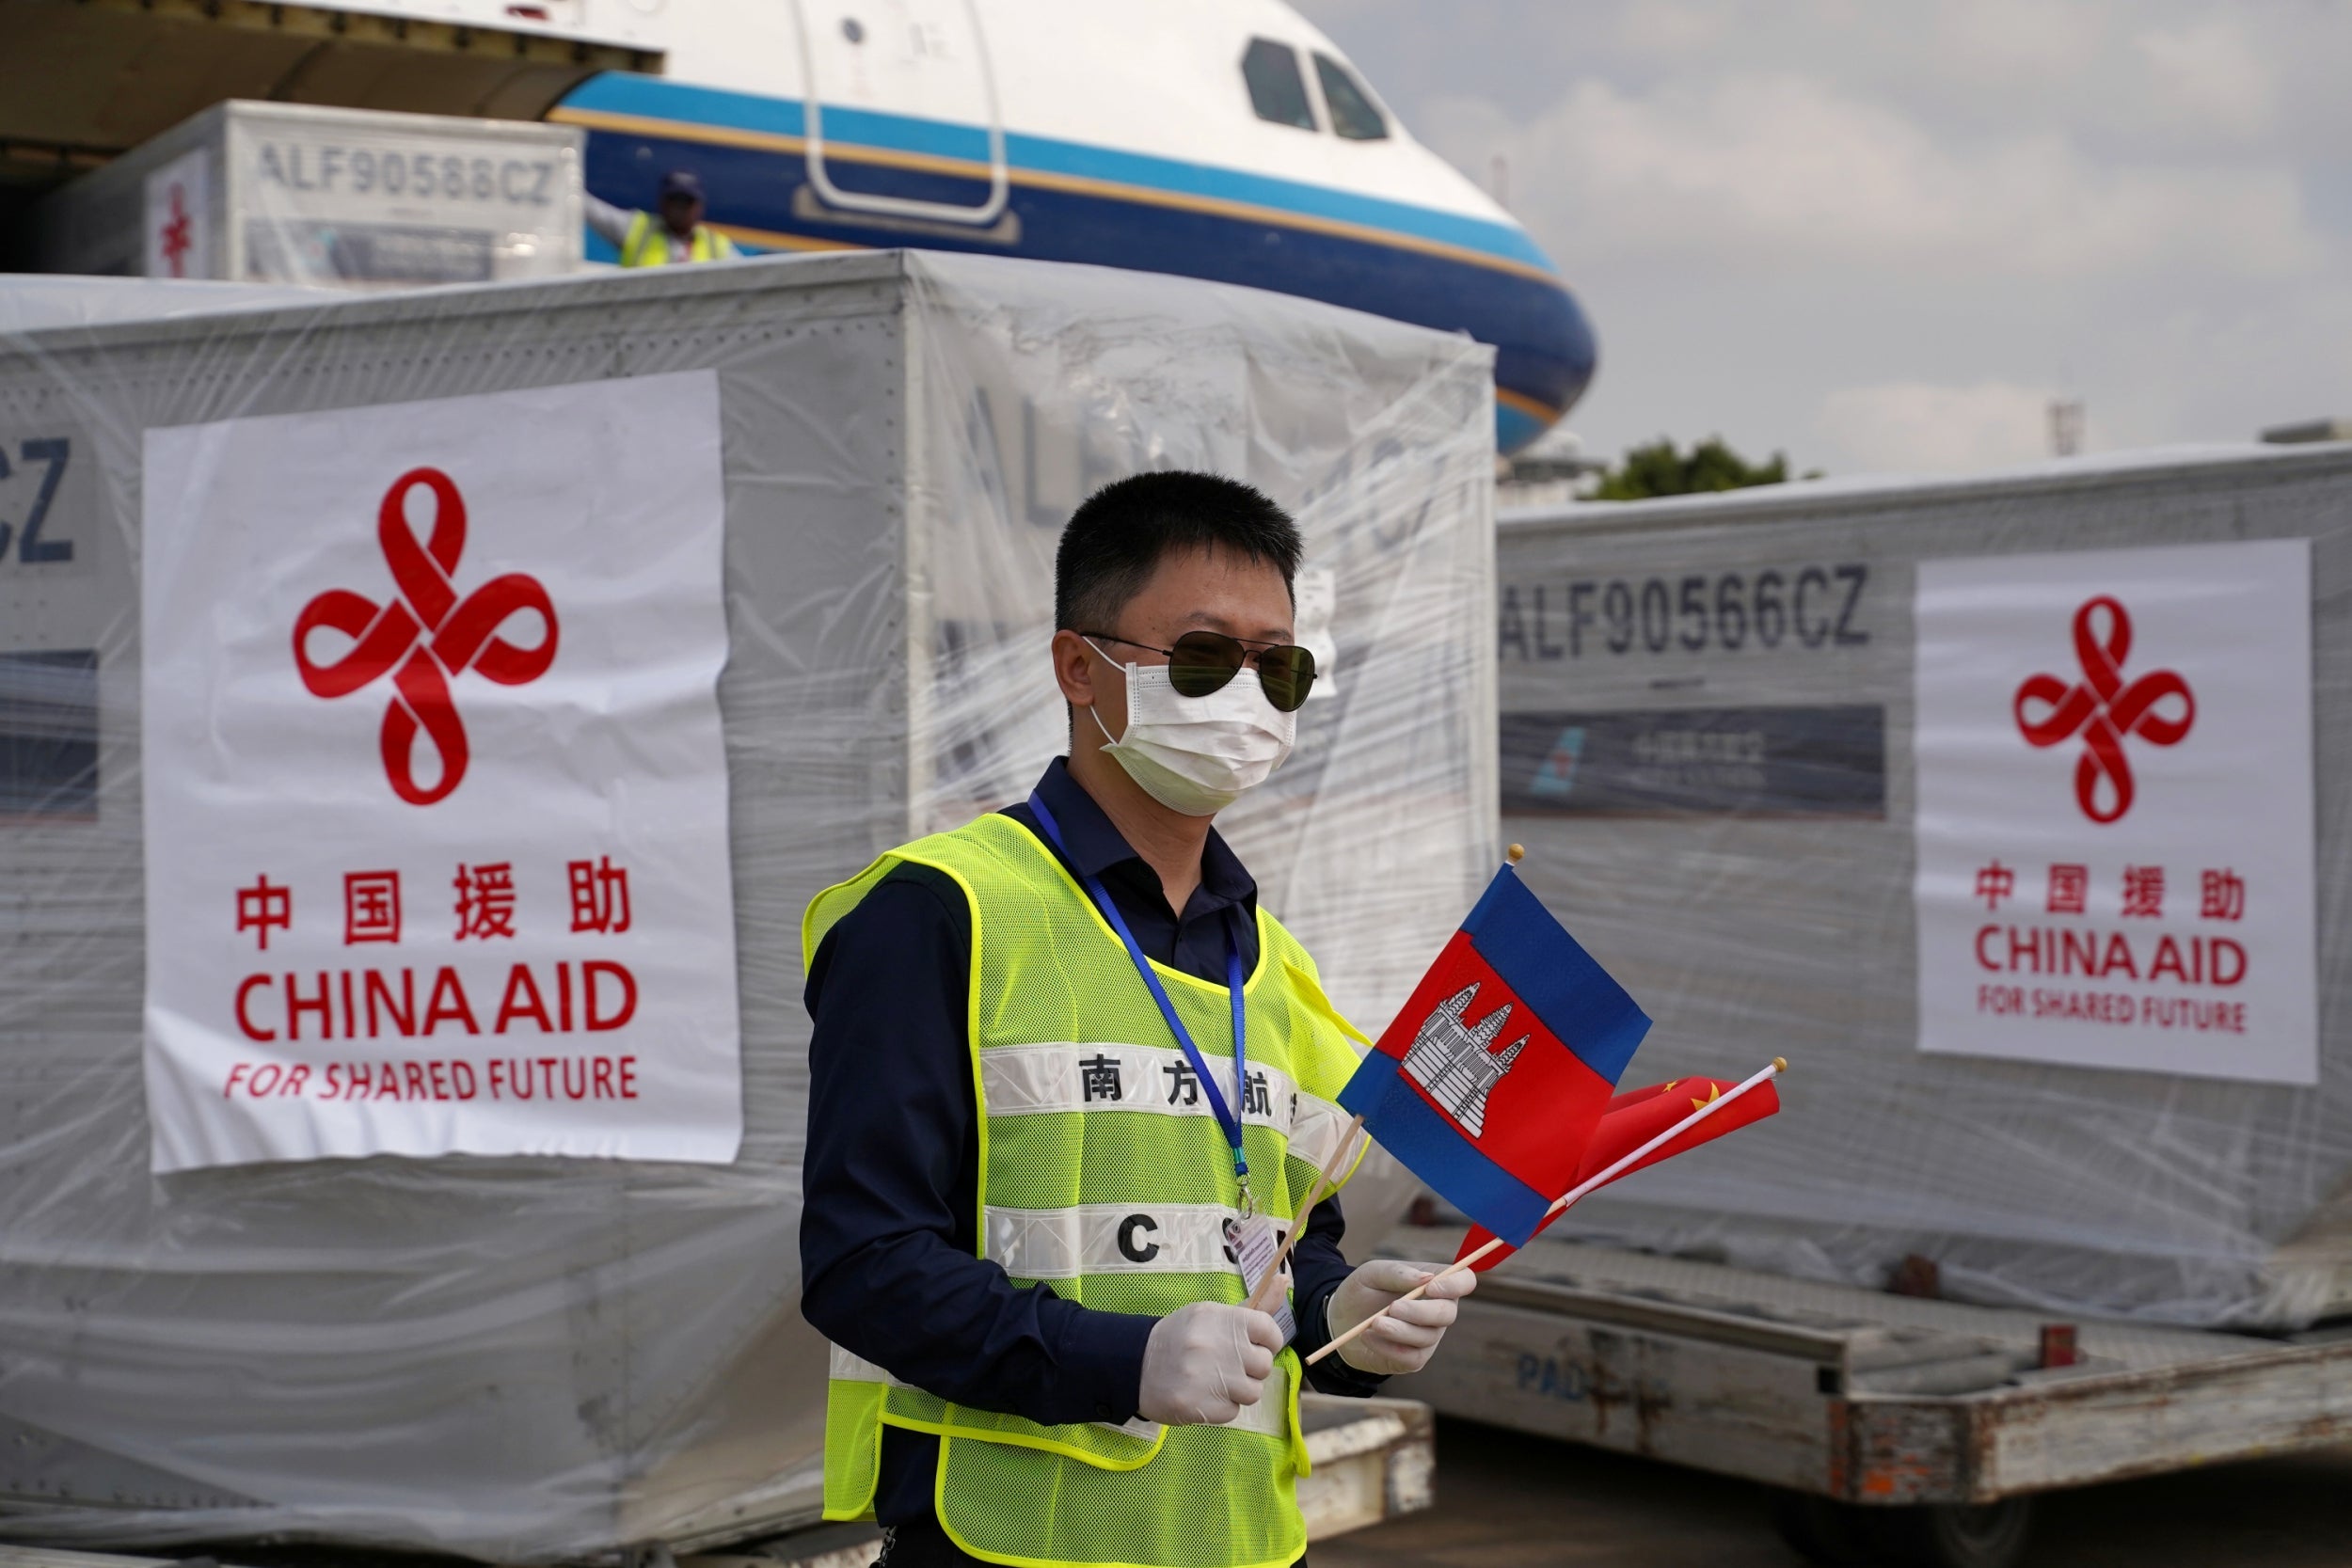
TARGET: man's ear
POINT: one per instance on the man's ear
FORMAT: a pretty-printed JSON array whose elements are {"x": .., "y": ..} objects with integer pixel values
[{"x": 1072, "y": 671}]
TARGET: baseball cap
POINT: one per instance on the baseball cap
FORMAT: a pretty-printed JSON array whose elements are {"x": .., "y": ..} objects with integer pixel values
[{"x": 681, "y": 181}]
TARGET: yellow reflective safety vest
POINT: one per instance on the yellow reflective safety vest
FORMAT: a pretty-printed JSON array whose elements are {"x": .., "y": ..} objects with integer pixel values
[
  {"x": 1103, "y": 1174},
  {"x": 647, "y": 243}
]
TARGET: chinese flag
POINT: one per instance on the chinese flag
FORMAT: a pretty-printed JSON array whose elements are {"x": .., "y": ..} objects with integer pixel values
[
  {"x": 1632, "y": 1120},
  {"x": 1490, "y": 1082}
]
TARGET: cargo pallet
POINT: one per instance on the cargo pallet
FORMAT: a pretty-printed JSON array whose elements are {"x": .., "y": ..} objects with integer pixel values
[
  {"x": 1898, "y": 1429},
  {"x": 1371, "y": 1460}
]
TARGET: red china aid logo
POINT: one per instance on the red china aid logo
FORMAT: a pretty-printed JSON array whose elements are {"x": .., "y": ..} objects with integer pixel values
[
  {"x": 426, "y": 635},
  {"x": 2103, "y": 707}
]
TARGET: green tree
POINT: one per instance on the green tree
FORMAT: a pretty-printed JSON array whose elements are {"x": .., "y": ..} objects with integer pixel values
[{"x": 1660, "y": 469}]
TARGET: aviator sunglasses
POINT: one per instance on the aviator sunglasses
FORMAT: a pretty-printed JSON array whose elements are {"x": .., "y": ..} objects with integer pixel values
[{"x": 1206, "y": 661}]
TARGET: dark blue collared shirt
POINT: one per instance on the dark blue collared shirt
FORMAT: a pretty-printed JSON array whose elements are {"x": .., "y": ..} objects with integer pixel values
[{"x": 890, "y": 1183}]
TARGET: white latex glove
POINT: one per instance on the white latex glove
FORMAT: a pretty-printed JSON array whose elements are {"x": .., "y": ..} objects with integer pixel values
[
  {"x": 1404, "y": 1338},
  {"x": 1204, "y": 1362}
]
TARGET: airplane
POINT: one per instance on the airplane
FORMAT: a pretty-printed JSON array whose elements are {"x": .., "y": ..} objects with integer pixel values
[{"x": 1221, "y": 139}]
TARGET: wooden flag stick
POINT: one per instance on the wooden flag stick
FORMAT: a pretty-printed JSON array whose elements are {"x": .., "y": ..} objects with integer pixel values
[
  {"x": 1326, "y": 1180},
  {"x": 1780, "y": 1065}
]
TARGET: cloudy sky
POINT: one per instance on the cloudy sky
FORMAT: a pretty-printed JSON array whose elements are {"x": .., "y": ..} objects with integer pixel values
[{"x": 1879, "y": 234}]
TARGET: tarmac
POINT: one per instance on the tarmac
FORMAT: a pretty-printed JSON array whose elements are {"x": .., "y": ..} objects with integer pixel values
[{"x": 1508, "y": 1500}]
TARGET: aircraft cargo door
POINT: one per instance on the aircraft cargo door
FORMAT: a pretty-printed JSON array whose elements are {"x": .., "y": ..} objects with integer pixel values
[{"x": 902, "y": 117}]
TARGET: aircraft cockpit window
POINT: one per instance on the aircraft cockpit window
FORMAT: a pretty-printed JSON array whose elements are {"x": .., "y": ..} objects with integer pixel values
[
  {"x": 1353, "y": 114},
  {"x": 1277, "y": 90}
]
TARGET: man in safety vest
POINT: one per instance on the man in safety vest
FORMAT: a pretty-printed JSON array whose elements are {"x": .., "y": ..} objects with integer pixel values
[
  {"x": 1069, "y": 1081},
  {"x": 679, "y": 234}
]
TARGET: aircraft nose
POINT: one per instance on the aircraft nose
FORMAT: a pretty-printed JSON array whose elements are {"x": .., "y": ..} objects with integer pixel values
[
  {"x": 1576, "y": 348},
  {"x": 1543, "y": 362}
]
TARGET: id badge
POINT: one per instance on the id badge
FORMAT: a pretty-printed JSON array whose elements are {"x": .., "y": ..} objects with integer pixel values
[{"x": 1253, "y": 1244}]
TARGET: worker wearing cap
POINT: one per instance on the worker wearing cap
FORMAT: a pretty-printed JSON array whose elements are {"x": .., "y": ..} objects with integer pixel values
[
  {"x": 1070, "y": 1083},
  {"x": 679, "y": 234}
]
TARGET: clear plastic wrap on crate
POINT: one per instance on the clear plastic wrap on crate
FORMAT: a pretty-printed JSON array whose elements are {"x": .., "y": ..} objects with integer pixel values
[
  {"x": 531, "y": 1359},
  {"x": 1763, "y": 905}
]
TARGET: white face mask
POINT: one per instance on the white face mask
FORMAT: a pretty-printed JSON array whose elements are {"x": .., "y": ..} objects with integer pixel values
[{"x": 1196, "y": 754}]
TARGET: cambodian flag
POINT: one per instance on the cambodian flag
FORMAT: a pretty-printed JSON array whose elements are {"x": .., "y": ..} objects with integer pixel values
[{"x": 1490, "y": 1082}]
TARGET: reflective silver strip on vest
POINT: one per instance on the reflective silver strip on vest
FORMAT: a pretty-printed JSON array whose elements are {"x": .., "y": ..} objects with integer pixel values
[
  {"x": 1035, "y": 1079},
  {"x": 1315, "y": 1136},
  {"x": 1269, "y": 1416},
  {"x": 1110, "y": 1238}
]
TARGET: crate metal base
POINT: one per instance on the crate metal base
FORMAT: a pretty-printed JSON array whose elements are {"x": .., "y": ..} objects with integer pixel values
[
  {"x": 1853, "y": 1394},
  {"x": 1372, "y": 1460}
]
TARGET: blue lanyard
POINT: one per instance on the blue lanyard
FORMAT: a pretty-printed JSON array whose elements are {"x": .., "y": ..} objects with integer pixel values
[{"x": 1225, "y": 1117}]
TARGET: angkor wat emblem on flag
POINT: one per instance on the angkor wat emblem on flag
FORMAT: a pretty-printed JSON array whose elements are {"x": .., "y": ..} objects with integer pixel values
[{"x": 1456, "y": 1062}]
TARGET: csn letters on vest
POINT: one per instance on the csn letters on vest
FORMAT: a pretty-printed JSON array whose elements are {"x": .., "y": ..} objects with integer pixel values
[{"x": 435, "y": 795}]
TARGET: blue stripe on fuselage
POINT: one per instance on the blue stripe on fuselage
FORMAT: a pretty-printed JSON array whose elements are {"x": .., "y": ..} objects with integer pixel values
[
  {"x": 620, "y": 92},
  {"x": 1513, "y": 429},
  {"x": 1544, "y": 347}
]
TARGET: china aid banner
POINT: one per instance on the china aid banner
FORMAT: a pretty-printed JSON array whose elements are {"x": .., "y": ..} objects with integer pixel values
[
  {"x": 436, "y": 793},
  {"x": 2115, "y": 830}
]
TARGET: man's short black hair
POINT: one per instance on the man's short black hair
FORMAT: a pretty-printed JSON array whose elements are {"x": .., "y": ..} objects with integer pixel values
[{"x": 1118, "y": 533}]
